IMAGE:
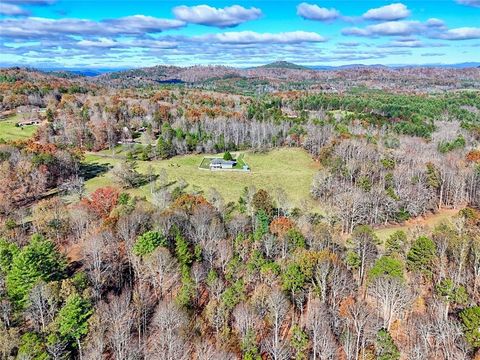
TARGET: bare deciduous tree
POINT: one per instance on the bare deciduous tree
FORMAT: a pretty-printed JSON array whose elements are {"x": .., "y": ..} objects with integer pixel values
[
  {"x": 324, "y": 346},
  {"x": 277, "y": 310},
  {"x": 119, "y": 318},
  {"x": 42, "y": 306},
  {"x": 392, "y": 296},
  {"x": 167, "y": 339}
]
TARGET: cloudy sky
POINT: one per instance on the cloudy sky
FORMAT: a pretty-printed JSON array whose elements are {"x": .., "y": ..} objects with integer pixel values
[{"x": 134, "y": 33}]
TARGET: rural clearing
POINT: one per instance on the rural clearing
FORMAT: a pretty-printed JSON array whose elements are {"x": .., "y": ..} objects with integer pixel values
[
  {"x": 290, "y": 169},
  {"x": 10, "y": 132}
]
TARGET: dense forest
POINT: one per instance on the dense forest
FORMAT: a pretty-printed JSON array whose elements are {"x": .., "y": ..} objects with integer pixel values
[{"x": 106, "y": 274}]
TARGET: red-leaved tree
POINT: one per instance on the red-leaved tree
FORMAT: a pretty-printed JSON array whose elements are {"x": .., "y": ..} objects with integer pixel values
[{"x": 102, "y": 201}]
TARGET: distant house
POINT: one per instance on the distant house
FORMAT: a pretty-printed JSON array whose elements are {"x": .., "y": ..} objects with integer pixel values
[
  {"x": 24, "y": 109},
  {"x": 222, "y": 164},
  {"x": 29, "y": 122},
  {"x": 127, "y": 141}
]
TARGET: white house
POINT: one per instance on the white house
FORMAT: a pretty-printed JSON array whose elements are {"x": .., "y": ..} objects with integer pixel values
[{"x": 222, "y": 164}]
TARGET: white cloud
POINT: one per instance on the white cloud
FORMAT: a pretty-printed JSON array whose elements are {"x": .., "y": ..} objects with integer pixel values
[
  {"x": 410, "y": 43},
  {"x": 315, "y": 12},
  {"x": 398, "y": 28},
  {"x": 432, "y": 54},
  {"x": 434, "y": 22},
  {"x": 30, "y": 2},
  {"x": 100, "y": 43},
  {"x": 251, "y": 37},
  {"x": 463, "y": 33},
  {"x": 395, "y": 11},
  {"x": 395, "y": 28},
  {"x": 43, "y": 28},
  {"x": 229, "y": 16},
  {"x": 107, "y": 43},
  {"x": 349, "y": 44},
  {"x": 12, "y": 10},
  {"x": 432, "y": 28},
  {"x": 403, "y": 44},
  {"x": 474, "y": 3},
  {"x": 141, "y": 23},
  {"x": 390, "y": 28}
]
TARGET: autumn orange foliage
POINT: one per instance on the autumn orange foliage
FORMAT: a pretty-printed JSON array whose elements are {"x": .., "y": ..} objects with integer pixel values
[
  {"x": 473, "y": 156},
  {"x": 38, "y": 148},
  {"x": 189, "y": 202},
  {"x": 280, "y": 225},
  {"x": 345, "y": 306},
  {"x": 309, "y": 259},
  {"x": 102, "y": 201}
]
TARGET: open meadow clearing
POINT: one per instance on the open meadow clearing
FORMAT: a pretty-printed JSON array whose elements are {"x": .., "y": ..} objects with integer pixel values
[
  {"x": 291, "y": 169},
  {"x": 10, "y": 132}
]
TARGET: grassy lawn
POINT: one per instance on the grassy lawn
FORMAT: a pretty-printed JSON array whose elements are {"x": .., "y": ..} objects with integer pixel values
[
  {"x": 205, "y": 164},
  {"x": 8, "y": 130},
  {"x": 429, "y": 221},
  {"x": 291, "y": 169},
  {"x": 240, "y": 162},
  {"x": 341, "y": 113}
]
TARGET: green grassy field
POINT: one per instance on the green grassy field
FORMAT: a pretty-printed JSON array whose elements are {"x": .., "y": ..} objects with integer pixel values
[
  {"x": 8, "y": 130},
  {"x": 430, "y": 221},
  {"x": 240, "y": 161},
  {"x": 291, "y": 169},
  {"x": 205, "y": 163}
]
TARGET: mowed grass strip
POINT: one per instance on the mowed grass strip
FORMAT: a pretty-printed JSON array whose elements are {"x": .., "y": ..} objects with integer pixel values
[
  {"x": 205, "y": 164},
  {"x": 10, "y": 132},
  {"x": 429, "y": 221},
  {"x": 291, "y": 169}
]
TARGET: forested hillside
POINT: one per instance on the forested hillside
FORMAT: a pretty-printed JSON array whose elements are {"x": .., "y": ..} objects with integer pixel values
[{"x": 107, "y": 253}]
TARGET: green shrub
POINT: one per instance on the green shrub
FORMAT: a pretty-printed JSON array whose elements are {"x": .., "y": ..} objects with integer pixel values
[
  {"x": 386, "y": 266},
  {"x": 227, "y": 156},
  {"x": 385, "y": 347},
  {"x": 446, "y": 146},
  {"x": 422, "y": 255},
  {"x": 72, "y": 319},
  {"x": 148, "y": 242},
  {"x": 395, "y": 243},
  {"x": 39, "y": 260},
  {"x": 471, "y": 325}
]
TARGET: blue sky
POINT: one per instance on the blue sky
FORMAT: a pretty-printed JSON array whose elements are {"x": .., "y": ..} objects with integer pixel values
[{"x": 128, "y": 33}]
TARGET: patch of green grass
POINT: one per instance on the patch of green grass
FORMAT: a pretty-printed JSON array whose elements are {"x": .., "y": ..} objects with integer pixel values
[
  {"x": 240, "y": 162},
  {"x": 291, "y": 169},
  {"x": 430, "y": 221},
  {"x": 205, "y": 164},
  {"x": 341, "y": 113},
  {"x": 10, "y": 132}
]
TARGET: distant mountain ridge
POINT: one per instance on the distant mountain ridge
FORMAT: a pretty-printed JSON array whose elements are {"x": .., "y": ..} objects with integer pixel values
[
  {"x": 284, "y": 65},
  {"x": 222, "y": 70},
  {"x": 273, "y": 77},
  {"x": 273, "y": 65}
]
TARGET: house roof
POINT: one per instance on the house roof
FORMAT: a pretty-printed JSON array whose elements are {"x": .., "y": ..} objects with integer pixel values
[{"x": 222, "y": 162}]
